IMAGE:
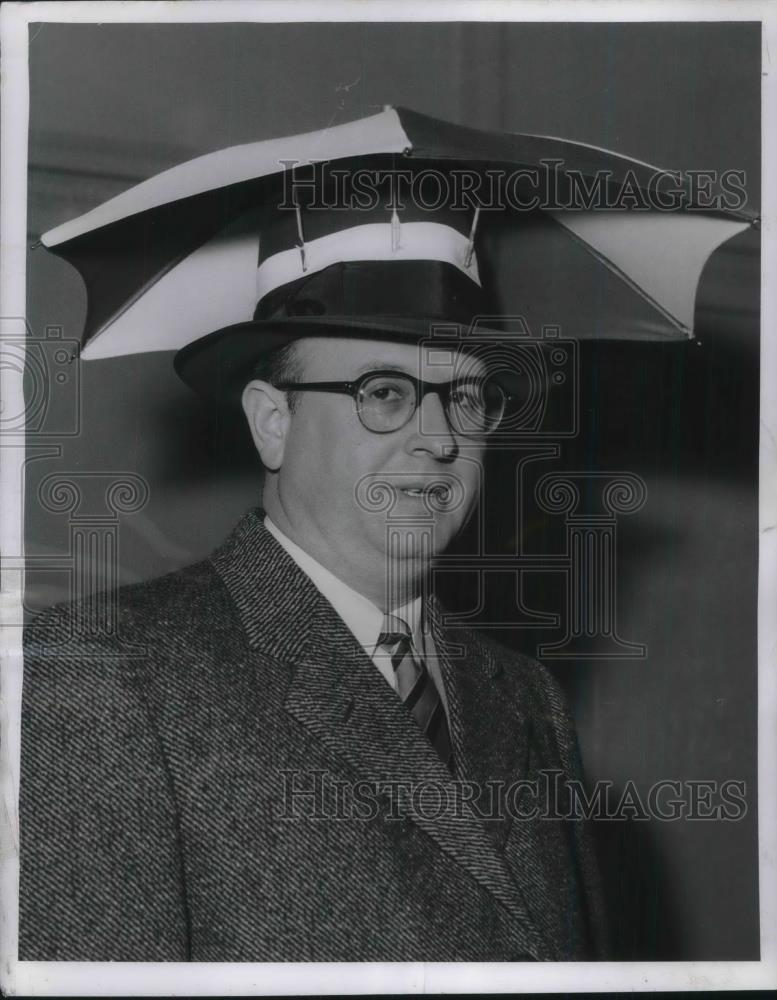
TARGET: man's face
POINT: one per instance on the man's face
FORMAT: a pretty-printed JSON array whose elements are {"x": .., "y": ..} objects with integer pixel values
[{"x": 342, "y": 488}]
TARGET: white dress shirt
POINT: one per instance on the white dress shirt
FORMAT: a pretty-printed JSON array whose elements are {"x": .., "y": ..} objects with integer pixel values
[{"x": 363, "y": 618}]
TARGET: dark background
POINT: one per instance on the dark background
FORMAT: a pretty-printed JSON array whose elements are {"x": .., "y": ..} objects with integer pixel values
[{"x": 111, "y": 105}]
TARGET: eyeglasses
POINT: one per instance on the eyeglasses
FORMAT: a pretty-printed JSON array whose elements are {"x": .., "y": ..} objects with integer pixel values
[{"x": 387, "y": 400}]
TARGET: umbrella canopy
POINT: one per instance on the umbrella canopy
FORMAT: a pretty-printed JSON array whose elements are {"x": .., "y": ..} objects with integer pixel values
[{"x": 175, "y": 258}]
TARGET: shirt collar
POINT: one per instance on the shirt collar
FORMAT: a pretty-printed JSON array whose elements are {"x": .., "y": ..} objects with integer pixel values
[{"x": 363, "y": 618}]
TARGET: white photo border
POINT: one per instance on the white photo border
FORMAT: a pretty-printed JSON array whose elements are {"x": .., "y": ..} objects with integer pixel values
[{"x": 227, "y": 979}]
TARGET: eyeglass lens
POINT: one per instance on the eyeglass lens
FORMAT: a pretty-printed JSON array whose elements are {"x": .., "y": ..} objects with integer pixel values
[{"x": 387, "y": 402}]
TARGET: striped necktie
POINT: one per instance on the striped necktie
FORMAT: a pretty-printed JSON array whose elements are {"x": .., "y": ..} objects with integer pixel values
[{"x": 416, "y": 687}]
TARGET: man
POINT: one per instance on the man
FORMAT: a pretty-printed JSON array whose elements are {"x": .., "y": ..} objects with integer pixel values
[{"x": 285, "y": 753}]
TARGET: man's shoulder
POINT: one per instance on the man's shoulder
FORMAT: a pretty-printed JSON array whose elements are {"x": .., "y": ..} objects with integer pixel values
[
  {"x": 110, "y": 654},
  {"x": 190, "y": 600}
]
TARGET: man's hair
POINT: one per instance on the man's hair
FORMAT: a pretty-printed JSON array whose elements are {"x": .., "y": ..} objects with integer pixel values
[{"x": 284, "y": 364}]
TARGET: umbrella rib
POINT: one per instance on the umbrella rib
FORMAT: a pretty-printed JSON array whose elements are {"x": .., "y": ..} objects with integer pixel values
[
  {"x": 598, "y": 255},
  {"x": 137, "y": 294}
]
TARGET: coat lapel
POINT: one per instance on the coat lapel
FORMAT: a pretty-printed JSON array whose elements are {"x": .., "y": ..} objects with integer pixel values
[
  {"x": 493, "y": 736},
  {"x": 491, "y": 743},
  {"x": 339, "y": 696}
]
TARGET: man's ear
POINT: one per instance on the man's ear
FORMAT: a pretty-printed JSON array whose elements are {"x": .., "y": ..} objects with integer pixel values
[{"x": 267, "y": 412}]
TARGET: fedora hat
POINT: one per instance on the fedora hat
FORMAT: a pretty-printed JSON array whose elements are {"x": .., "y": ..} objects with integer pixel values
[
  {"x": 386, "y": 272},
  {"x": 217, "y": 261}
]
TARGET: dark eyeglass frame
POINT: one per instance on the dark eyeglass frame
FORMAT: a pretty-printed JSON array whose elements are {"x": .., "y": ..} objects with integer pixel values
[{"x": 422, "y": 388}]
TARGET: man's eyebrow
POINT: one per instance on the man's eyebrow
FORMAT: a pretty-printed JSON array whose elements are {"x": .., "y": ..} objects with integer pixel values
[
  {"x": 392, "y": 366},
  {"x": 386, "y": 366}
]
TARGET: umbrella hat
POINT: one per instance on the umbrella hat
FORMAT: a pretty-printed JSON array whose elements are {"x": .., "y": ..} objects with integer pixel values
[{"x": 234, "y": 253}]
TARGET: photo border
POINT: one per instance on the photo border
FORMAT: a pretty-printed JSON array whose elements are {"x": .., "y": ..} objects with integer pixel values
[{"x": 205, "y": 979}]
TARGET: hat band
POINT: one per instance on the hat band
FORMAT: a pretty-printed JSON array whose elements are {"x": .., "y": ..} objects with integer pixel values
[
  {"x": 372, "y": 290},
  {"x": 373, "y": 242}
]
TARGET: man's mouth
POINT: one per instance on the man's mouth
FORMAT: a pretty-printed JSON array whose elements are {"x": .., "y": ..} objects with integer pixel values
[
  {"x": 439, "y": 491},
  {"x": 439, "y": 494}
]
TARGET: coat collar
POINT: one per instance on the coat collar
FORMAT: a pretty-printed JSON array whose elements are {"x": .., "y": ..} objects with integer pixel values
[
  {"x": 274, "y": 598},
  {"x": 336, "y": 692}
]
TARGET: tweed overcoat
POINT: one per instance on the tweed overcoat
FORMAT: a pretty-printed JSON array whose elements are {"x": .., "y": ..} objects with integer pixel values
[{"x": 229, "y": 778}]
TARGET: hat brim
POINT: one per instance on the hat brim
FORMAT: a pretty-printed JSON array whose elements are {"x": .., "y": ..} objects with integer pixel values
[{"x": 220, "y": 364}]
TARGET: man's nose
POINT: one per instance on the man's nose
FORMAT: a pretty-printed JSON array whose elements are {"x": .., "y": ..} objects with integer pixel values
[{"x": 432, "y": 430}]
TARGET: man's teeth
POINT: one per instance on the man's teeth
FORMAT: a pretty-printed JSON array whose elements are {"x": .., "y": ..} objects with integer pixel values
[{"x": 422, "y": 491}]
